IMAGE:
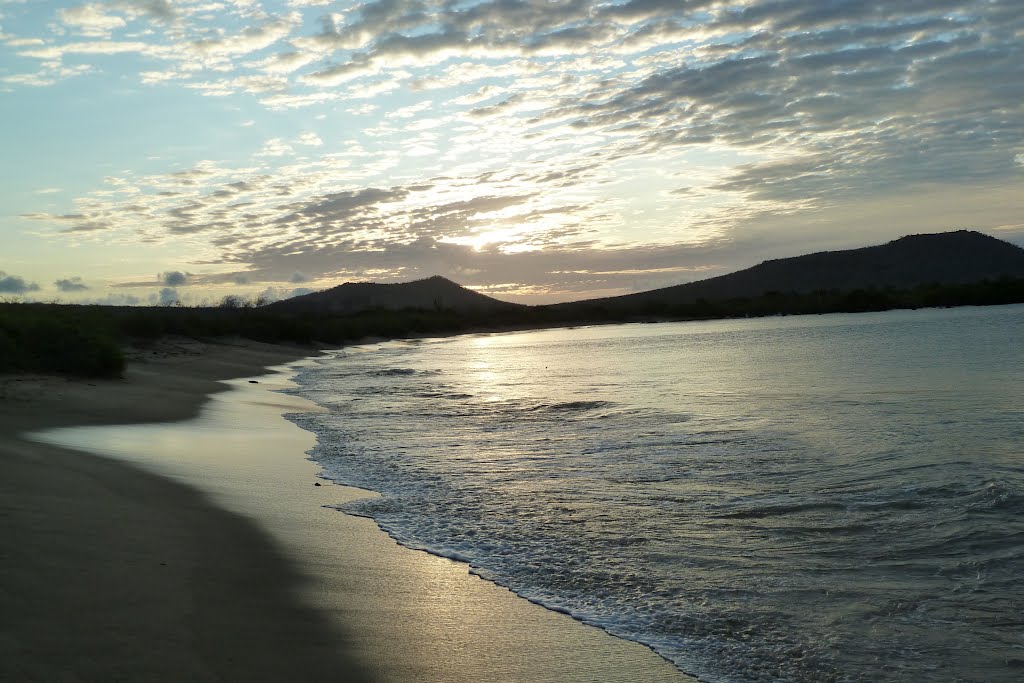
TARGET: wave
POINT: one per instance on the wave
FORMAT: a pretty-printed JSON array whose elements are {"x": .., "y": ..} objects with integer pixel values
[
  {"x": 742, "y": 535},
  {"x": 570, "y": 406},
  {"x": 777, "y": 509},
  {"x": 394, "y": 372},
  {"x": 995, "y": 496},
  {"x": 442, "y": 394}
]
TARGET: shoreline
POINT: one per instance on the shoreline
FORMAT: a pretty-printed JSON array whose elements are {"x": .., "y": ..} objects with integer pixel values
[
  {"x": 367, "y": 603},
  {"x": 110, "y": 572}
]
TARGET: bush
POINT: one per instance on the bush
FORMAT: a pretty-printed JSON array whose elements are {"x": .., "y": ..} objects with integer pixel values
[
  {"x": 9, "y": 352},
  {"x": 58, "y": 346},
  {"x": 143, "y": 325},
  {"x": 53, "y": 340}
]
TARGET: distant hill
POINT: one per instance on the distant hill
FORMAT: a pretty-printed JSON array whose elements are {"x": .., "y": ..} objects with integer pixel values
[
  {"x": 429, "y": 294},
  {"x": 949, "y": 258}
]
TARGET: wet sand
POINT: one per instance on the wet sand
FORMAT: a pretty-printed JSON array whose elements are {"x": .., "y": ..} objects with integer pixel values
[
  {"x": 201, "y": 550},
  {"x": 108, "y": 572}
]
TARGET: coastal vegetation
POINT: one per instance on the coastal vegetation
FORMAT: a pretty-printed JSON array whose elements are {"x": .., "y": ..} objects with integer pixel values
[
  {"x": 87, "y": 340},
  {"x": 66, "y": 340}
]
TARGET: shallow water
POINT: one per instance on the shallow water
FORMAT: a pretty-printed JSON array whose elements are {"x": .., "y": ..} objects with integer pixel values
[{"x": 809, "y": 498}]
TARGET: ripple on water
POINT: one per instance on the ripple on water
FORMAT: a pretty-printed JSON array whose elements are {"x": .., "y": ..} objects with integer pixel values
[{"x": 835, "y": 512}]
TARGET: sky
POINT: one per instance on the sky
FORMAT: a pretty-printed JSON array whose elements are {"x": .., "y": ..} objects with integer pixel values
[{"x": 534, "y": 150}]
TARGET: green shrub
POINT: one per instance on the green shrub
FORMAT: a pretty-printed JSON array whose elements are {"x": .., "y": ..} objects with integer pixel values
[
  {"x": 62, "y": 347},
  {"x": 62, "y": 340}
]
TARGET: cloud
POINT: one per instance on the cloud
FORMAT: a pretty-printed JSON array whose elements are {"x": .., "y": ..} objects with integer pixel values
[
  {"x": 113, "y": 300},
  {"x": 250, "y": 40},
  {"x": 272, "y": 294},
  {"x": 298, "y": 277},
  {"x": 562, "y": 273},
  {"x": 12, "y": 284},
  {"x": 173, "y": 278},
  {"x": 156, "y": 9},
  {"x": 566, "y": 127},
  {"x": 276, "y": 147},
  {"x": 73, "y": 284},
  {"x": 168, "y": 296},
  {"x": 90, "y": 20}
]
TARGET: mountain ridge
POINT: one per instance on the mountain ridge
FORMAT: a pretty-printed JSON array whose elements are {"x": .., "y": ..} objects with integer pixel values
[
  {"x": 956, "y": 257},
  {"x": 434, "y": 292}
]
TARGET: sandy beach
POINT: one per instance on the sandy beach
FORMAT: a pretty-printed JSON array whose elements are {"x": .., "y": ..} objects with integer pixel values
[{"x": 195, "y": 545}]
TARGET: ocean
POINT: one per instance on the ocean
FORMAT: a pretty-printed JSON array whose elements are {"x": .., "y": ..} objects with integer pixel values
[{"x": 812, "y": 498}]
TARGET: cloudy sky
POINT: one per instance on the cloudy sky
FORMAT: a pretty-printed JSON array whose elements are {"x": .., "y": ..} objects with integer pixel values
[{"x": 536, "y": 150}]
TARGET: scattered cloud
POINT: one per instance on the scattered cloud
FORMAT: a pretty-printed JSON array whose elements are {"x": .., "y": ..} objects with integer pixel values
[
  {"x": 173, "y": 278},
  {"x": 573, "y": 145},
  {"x": 155, "y": 9},
  {"x": 272, "y": 294},
  {"x": 168, "y": 296},
  {"x": 12, "y": 284},
  {"x": 90, "y": 20},
  {"x": 72, "y": 284}
]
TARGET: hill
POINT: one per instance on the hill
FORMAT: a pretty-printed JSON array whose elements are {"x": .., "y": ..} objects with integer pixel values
[
  {"x": 948, "y": 258},
  {"x": 433, "y": 293}
]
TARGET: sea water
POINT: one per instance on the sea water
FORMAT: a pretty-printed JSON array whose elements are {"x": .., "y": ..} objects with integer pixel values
[{"x": 814, "y": 498}]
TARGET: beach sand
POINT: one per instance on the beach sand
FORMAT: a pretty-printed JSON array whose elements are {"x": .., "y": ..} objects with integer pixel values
[{"x": 201, "y": 550}]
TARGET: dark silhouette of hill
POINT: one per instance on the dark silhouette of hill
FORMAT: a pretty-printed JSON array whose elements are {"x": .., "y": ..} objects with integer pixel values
[
  {"x": 433, "y": 293},
  {"x": 948, "y": 258}
]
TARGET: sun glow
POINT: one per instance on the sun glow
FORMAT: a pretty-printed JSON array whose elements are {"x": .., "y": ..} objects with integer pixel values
[{"x": 507, "y": 237}]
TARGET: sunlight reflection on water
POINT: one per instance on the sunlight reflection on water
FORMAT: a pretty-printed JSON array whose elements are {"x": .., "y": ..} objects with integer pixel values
[{"x": 815, "y": 498}]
